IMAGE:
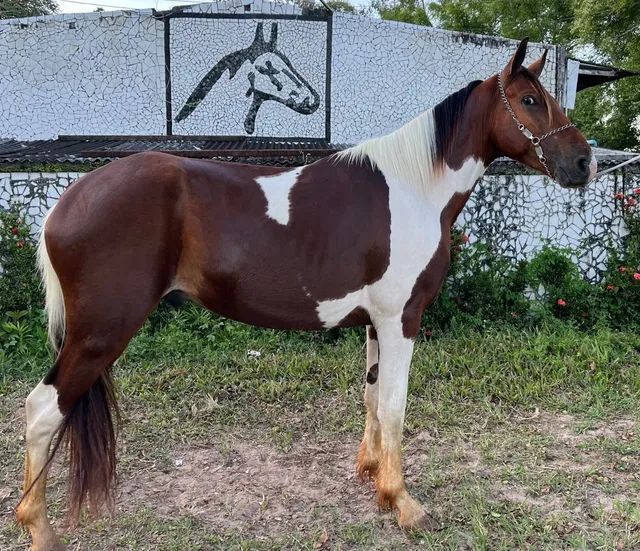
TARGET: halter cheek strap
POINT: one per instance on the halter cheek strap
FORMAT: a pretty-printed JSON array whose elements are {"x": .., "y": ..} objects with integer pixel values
[{"x": 535, "y": 140}]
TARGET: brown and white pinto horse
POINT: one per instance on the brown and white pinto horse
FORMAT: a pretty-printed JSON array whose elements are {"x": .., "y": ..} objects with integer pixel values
[{"x": 360, "y": 238}]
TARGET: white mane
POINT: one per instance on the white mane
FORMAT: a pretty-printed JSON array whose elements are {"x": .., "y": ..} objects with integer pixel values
[{"x": 406, "y": 155}]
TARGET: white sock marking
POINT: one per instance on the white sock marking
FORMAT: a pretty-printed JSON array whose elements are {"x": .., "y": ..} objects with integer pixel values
[{"x": 43, "y": 420}]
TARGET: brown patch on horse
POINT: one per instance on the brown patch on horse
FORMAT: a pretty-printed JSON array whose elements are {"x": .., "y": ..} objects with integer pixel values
[
  {"x": 356, "y": 318},
  {"x": 372, "y": 333},
  {"x": 372, "y": 374},
  {"x": 430, "y": 281}
]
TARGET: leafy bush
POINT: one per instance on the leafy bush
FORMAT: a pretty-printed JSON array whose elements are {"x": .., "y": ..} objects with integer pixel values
[
  {"x": 559, "y": 288},
  {"x": 483, "y": 288},
  {"x": 19, "y": 282},
  {"x": 621, "y": 283}
]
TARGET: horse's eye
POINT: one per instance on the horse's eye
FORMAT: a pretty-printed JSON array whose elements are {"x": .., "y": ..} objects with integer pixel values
[{"x": 528, "y": 101}]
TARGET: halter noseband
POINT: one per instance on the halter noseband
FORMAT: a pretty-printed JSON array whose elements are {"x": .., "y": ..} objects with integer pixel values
[{"x": 535, "y": 140}]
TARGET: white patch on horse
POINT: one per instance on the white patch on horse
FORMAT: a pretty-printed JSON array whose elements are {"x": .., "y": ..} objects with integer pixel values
[
  {"x": 43, "y": 419},
  {"x": 415, "y": 236},
  {"x": 277, "y": 189}
]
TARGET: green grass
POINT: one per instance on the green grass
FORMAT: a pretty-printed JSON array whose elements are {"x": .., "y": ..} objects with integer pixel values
[{"x": 514, "y": 439}]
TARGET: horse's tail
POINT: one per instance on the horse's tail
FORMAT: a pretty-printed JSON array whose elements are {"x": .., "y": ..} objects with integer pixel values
[
  {"x": 54, "y": 300},
  {"x": 90, "y": 436}
]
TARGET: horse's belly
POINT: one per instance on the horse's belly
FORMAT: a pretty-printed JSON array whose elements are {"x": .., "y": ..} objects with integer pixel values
[{"x": 276, "y": 305}]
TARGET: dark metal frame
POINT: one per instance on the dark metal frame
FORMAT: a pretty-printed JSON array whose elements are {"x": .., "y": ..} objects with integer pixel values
[{"x": 319, "y": 16}]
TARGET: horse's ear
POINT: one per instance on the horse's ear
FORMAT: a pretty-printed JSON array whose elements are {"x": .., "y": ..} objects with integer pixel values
[
  {"x": 273, "y": 39},
  {"x": 516, "y": 61},
  {"x": 259, "y": 38},
  {"x": 537, "y": 66}
]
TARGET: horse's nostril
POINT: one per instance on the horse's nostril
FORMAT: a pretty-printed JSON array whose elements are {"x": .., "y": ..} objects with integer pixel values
[{"x": 583, "y": 164}]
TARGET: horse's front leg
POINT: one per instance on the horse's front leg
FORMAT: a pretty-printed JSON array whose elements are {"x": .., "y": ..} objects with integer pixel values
[
  {"x": 393, "y": 376},
  {"x": 369, "y": 454}
]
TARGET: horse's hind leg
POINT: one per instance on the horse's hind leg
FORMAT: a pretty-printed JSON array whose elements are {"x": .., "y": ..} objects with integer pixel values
[
  {"x": 369, "y": 454},
  {"x": 43, "y": 420},
  {"x": 77, "y": 396}
]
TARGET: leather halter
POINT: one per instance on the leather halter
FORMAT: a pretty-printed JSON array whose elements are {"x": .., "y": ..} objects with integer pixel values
[{"x": 535, "y": 140}]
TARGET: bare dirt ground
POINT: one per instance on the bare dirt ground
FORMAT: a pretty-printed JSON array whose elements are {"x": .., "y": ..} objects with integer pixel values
[{"x": 538, "y": 480}]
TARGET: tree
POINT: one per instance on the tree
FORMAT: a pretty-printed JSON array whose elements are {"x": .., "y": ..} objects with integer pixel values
[
  {"x": 408, "y": 11},
  {"x": 334, "y": 5},
  {"x": 613, "y": 30},
  {"x": 26, "y": 8},
  {"x": 542, "y": 21},
  {"x": 602, "y": 31}
]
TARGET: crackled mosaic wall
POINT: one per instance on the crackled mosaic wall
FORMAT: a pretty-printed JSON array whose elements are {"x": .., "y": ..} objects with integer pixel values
[
  {"x": 243, "y": 67},
  {"x": 82, "y": 74},
  {"x": 384, "y": 73},
  {"x": 34, "y": 192},
  {"x": 516, "y": 215},
  {"x": 256, "y": 77}
]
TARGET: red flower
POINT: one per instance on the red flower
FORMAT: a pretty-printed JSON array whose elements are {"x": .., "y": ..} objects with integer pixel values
[
  {"x": 631, "y": 202},
  {"x": 637, "y": 191},
  {"x": 20, "y": 244},
  {"x": 611, "y": 287},
  {"x": 619, "y": 195},
  {"x": 622, "y": 269},
  {"x": 561, "y": 303},
  {"x": 636, "y": 276},
  {"x": 465, "y": 238},
  {"x": 427, "y": 332},
  {"x": 15, "y": 230}
]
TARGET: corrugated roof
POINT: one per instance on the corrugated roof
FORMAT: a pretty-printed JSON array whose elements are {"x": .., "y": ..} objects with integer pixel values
[{"x": 80, "y": 149}]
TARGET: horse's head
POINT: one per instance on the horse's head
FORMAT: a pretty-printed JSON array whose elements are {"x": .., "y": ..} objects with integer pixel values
[
  {"x": 271, "y": 77},
  {"x": 274, "y": 78},
  {"x": 528, "y": 125}
]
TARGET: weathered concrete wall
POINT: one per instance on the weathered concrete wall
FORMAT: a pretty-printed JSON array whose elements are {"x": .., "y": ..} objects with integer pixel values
[{"x": 384, "y": 73}]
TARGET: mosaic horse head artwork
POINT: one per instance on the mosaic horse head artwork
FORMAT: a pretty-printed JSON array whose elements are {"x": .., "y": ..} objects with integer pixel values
[
  {"x": 272, "y": 78},
  {"x": 360, "y": 238}
]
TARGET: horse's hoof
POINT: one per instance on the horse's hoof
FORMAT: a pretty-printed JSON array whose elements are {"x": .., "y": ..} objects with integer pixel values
[
  {"x": 411, "y": 516},
  {"x": 423, "y": 523},
  {"x": 53, "y": 547},
  {"x": 51, "y": 544}
]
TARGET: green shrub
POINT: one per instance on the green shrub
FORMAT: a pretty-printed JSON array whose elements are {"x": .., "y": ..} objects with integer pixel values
[
  {"x": 556, "y": 282},
  {"x": 621, "y": 283},
  {"x": 19, "y": 281},
  {"x": 483, "y": 288}
]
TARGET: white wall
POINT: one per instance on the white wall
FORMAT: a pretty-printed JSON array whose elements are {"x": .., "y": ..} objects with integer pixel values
[
  {"x": 384, "y": 73},
  {"x": 105, "y": 76}
]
